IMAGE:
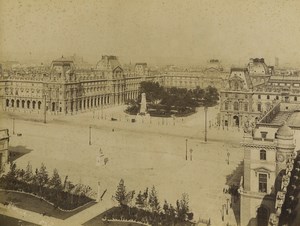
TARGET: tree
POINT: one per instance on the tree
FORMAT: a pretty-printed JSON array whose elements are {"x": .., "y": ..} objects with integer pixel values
[
  {"x": 154, "y": 92},
  {"x": 28, "y": 176},
  {"x": 11, "y": 176},
  {"x": 120, "y": 195},
  {"x": 153, "y": 200},
  {"x": 211, "y": 96},
  {"x": 145, "y": 197},
  {"x": 166, "y": 208},
  {"x": 55, "y": 181},
  {"x": 182, "y": 208},
  {"x": 42, "y": 176},
  {"x": 139, "y": 202}
]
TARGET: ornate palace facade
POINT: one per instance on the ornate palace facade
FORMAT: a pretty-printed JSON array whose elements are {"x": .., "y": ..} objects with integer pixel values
[
  {"x": 253, "y": 90},
  {"x": 270, "y": 147},
  {"x": 212, "y": 75},
  {"x": 63, "y": 89}
]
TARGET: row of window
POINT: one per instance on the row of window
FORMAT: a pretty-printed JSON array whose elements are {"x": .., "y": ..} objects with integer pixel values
[
  {"x": 277, "y": 97},
  {"x": 236, "y": 106},
  {"x": 284, "y": 84}
]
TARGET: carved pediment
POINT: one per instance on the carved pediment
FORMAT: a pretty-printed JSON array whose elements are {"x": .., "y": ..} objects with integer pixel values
[{"x": 262, "y": 170}]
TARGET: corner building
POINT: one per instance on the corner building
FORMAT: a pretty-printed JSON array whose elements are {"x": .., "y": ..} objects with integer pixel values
[{"x": 269, "y": 146}]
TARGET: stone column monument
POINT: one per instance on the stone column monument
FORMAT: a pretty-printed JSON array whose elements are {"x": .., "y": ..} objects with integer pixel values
[{"x": 143, "y": 109}]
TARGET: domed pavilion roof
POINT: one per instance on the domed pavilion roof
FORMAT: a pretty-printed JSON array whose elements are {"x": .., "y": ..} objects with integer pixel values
[{"x": 285, "y": 131}]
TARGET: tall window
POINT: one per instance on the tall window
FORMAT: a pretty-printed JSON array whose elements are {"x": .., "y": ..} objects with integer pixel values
[
  {"x": 258, "y": 107},
  {"x": 262, "y": 182},
  {"x": 236, "y": 106},
  {"x": 236, "y": 86},
  {"x": 277, "y": 97},
  {"x": 268, "y": 97},
  {"x": 259, "y": 96},
  {"x": 295, "y": 98},
  {"x": 263, "y": 155},
  {"x": 246, "y": 107},
  {"x": 226, "y": 106}
]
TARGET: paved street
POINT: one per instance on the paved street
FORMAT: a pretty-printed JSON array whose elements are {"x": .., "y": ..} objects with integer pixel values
[{"x": 142, "y": 153}]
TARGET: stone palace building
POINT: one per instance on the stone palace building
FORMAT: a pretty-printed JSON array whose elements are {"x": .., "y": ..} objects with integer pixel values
[
  {"x": 65, "y": 89},
  {"x": 270, "y": 147},
  {"x": 253, "y": 90}
]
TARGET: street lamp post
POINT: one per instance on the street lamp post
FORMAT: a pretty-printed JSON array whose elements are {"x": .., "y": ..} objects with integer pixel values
[
  {"x": 205, "y": 128},
  {"x": 13, "y": 126},
  {"x": 45, "y": 110},
  {"x": 90, "y": 135},
  {"x": 228, "y": 155},
  {"x": 223, "y": 212},
  {"x": 227, "y": 206},
  {"x": 186, "y": 140}
]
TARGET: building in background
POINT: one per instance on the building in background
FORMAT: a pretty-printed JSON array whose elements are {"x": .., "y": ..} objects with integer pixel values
[
  {"x": 65, "y": 89},
  {"x": 4, "y": 143},
  {"x": 212, "y": 75},
  {"x": 250, "y": 92}
]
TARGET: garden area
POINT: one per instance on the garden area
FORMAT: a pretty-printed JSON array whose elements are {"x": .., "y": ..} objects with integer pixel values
[
  {"x": 144, "y": 209},
  {"x": 39, "y": 192},
  {"x": 177, "y": 102},
  {"x": 10, "y": 221}
]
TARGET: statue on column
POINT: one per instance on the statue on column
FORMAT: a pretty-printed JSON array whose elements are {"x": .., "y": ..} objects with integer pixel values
[
  {"x": 143, "y": 109},
  {"x": 249, "y": 126}
]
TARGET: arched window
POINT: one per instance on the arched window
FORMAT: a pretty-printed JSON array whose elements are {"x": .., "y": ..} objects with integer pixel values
[
  {"x": 262, "y": 155},
  {"x": 28, "y": 104},
  {"x": 268, "y": 97},
  {"x": 12, "y": 103},
  {"x": 23, "y": 103},
  {"x": 236, "y": 106},
  {"x": 226, "y": 106},
  {"x": 18, "y": 103},
  {"x": 39, "y": 104},
  {"x": 7, "y": 103},
  {"x": 33, "y": 104},
  {"x": 295, "y": 98}
]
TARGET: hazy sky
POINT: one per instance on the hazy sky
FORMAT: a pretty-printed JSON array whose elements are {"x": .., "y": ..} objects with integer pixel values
[{"x": 148, "y": 30}]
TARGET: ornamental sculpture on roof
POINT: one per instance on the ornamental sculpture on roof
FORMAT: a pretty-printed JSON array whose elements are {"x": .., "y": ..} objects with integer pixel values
[{"x": 249, "y": 126}]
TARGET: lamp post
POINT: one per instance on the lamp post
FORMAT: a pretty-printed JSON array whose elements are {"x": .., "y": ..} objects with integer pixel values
[
  {"x": 45, "y": 110},
  {"x": 223, "y": 212},
  {"x": 90, "y": 135},
  {"x": 227, "y": 206},
  {"x": 228, "y": 155},
  {"x": 13, "y": 126},
  {"x": 186, "y": 140},
  {"x": 205, "y": 128}
]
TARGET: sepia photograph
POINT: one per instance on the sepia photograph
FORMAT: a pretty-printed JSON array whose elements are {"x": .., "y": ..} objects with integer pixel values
[{"x": 149, "y": 113}]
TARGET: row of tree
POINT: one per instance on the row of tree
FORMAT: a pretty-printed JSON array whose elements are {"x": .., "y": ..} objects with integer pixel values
[
  {"x": 146, "y": 208},
  {"x": 180, "y": 100},
  {"x": 65, "y": 195}
]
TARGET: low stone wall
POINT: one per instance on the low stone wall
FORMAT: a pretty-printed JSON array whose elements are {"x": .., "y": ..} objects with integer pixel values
[{"x": 125, "y": 221}]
